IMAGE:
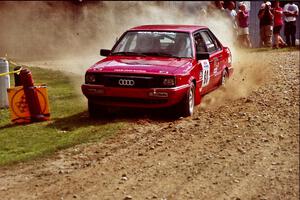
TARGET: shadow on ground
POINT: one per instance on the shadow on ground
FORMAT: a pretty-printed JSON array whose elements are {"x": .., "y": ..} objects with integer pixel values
[
  {"x": 8, "y": 126},
  {"x": 83, "y": 119}
]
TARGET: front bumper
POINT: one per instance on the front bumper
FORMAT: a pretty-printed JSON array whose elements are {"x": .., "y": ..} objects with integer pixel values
[{"x": 134, "y": 97}]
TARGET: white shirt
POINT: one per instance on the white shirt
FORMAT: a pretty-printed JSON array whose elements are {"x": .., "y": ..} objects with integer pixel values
[
  {"x": 290, "y": 7},
  {"x": 232, "y": 14}
]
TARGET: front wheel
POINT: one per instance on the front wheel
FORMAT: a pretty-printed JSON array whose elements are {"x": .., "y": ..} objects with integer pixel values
[
  {"x": 96, "y": 111},
  {"x": 188, "y": 102}
]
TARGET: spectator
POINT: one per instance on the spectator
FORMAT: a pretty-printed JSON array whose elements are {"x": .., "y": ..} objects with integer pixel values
[
  {"x": 219, "y": 5},
  {"x": 265, "y": 24},
  {"x": 232, "y": 14},
  {"x": 290, "y": 12},
  {"x": 243, "y": 26},
  {"x": 278, "y": 22}
]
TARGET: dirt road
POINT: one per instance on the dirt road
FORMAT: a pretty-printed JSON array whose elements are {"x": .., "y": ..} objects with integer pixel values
[{"x": 242, "y": 143}]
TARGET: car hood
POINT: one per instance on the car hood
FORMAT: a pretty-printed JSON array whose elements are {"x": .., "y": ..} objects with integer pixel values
[{"x": 144, "y": 65}]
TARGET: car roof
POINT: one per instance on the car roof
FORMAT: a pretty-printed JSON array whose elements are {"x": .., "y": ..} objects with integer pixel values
[{"x": 169, "y": 27}]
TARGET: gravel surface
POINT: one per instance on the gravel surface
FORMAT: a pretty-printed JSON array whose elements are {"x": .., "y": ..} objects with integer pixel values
[{"x": 242, "y": 143}]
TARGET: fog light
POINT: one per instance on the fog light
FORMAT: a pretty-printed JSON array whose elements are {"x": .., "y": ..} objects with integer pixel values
[{"x": 158, "y": 94}]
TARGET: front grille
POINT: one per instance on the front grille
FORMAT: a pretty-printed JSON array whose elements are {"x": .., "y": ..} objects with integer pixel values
[
  {"x": 105, "y": 99},
  {"x": 140, "y": 81}
]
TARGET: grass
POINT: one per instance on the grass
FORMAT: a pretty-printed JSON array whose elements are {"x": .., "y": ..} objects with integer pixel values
[{"x": 69, "y": 124}]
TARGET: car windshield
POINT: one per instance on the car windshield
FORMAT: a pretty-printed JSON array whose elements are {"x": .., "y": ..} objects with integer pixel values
[{"x": 154, "y": 43}]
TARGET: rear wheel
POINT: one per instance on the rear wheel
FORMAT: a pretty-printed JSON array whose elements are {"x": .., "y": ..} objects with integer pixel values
[
  {"x": 224, "y": 77},
  {"x": 188, "y": 103}
]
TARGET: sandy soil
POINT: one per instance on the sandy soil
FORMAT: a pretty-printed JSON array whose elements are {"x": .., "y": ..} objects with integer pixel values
[{"x": 242, "y": 143}]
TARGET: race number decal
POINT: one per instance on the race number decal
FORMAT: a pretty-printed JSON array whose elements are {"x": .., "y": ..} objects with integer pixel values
[{"x": 205, "y": 72}]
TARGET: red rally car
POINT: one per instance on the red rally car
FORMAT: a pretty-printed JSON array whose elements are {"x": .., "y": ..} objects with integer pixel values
[{"x": 156, "y": 66}]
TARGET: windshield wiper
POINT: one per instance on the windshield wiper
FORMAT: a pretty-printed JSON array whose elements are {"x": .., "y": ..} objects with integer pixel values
[
  {"x": 161, "y": 54},
  {"x": 128, "y": 53}
]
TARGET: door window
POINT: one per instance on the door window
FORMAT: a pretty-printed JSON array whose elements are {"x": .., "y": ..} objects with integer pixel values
[
  {"x": 215, "y": 40},
  {"x": 200, "y": 43},
  {"x": 210, "y": 45}
]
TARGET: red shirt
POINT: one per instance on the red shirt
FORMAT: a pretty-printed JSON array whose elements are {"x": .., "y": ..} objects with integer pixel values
[
  {"x": 278, "y": 16},
  {"x": 243, "y": 19}
]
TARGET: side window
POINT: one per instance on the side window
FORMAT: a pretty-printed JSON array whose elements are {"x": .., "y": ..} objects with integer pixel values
[
  {"x": 216, "y": 42},
  {"x": 200, "y": 43},
  {"x": 210, "y": 45}
]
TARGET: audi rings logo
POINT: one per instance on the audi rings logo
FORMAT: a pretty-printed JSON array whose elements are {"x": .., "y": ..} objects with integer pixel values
[{"x": 126, "y": 82}]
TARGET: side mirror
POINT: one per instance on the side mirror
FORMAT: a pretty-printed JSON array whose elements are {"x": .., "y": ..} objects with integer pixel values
[
  {"x": 202, "y": 55},
  {"x": 105, "y": 52}
]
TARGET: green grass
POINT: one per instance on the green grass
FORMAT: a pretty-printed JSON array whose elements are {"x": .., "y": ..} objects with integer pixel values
[{"x": 69, "y": 124}]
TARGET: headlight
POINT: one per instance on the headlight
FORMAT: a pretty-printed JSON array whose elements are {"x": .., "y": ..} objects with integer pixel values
[
  {"x": 169, "y": 82},
  {"x": 90, "y": 78}
]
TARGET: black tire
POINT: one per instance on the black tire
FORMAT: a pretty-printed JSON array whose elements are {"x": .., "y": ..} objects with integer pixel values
[
  {"x": 96, "y": 111},
  {"x": 188, "y": 102},
  {"x": 92, "y": 108}
]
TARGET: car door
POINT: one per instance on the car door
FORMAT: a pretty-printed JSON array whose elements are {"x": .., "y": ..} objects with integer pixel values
[
  {"x": 221, "y": 59},
  {"x": 205, "y": 72},
  {"x": 215, "y": 56}
]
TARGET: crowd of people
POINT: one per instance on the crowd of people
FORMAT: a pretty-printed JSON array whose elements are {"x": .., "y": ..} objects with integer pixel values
[{"x": 271, "y": 20}]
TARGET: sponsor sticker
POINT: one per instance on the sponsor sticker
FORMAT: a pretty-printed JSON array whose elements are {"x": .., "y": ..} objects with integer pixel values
[
  {"x": 215, "y": 71},
  {"x": 216, "y": 66},
  {"x": 206, "y": 72}
]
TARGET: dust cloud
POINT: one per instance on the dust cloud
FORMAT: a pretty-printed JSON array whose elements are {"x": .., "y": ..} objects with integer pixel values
[
  {"x": 67, "y": 35},
  {"x": 70, "y": 34},
  {"x": 250, "y": 71}
]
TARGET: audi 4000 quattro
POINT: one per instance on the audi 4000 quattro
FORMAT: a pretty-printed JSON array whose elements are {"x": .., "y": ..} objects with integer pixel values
[{"x": 156, "y": 66}]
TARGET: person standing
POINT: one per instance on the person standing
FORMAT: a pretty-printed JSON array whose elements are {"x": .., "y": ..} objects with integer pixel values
[
  {"x": 243, "y": 26},
  {"x": 265, "y": 24},
  {"x": 290, "y": 12},
  {"x": 232, "y": 15},
  {"x": 219, "y": 5},
  {"x": 278, "y": 22}
]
